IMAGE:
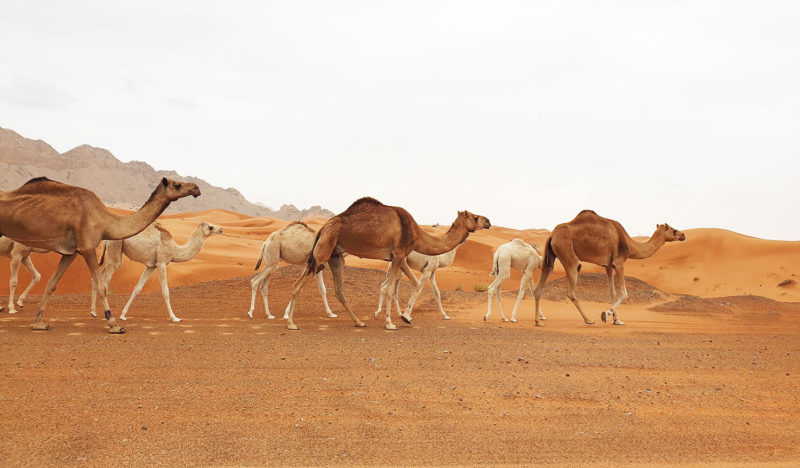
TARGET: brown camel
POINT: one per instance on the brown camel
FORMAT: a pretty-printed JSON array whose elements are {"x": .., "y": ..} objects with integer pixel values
[
  {"x": 370, "y": 229},
  {"x": 72, "y": 220},
  {"x": 594, "y": 239}
]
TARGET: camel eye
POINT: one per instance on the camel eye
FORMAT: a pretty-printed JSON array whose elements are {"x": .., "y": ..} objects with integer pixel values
[{"x": 178, "y": 186}]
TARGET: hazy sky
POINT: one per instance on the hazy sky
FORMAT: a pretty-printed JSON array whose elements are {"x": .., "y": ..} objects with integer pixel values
[{"x": 526, "y": 112}]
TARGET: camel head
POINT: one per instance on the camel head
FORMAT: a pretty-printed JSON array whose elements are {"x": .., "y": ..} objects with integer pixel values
[
  {"x": 210, "y": 230},
  {"x": 175, "y": 190},
  {"x": 671, "y": 234},
  {"x": 473, "y": 222}
]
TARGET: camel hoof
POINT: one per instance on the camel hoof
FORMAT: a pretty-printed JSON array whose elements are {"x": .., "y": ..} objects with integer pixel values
[
  {"x": 12, "y": 311},
  {"x": 485, "y": 317},
  {"x": 603, "y": 316},
  {"x": 539, "y": 324},
  {"x": 589, "y": 322},
  {"x": 447, "y": 317},
  {"x": 121, "y": 317},
  {"x": 406, "y": 319},
  {"x": 39, "y": 326},
  {"x": 332, "y": 315},
  {"x": 618, "y": 322},
  {"x": 116, "y": 330},
  {"x": 391, "y": 326},
  {"x": 542, "y": 318},
  {"x": 505, "y": 319},
  {"x": 376, "y": 314},
  {"x": 250, "y": 314},
  {"x": 94, "y": 314},
  {"x": 513, "y": 320},
  {"x": 292, "y": 326},
  {"x": 2, "y": 308},
  {"x": 176, "y": 319}
]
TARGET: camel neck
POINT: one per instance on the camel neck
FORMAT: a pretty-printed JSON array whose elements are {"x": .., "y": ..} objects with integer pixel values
[
  {"x": 187, "y": 251},
  {"x": 646, "y": 249},
  {"x": 431, "y": 245},
  {"x": 122, "y": 227}
]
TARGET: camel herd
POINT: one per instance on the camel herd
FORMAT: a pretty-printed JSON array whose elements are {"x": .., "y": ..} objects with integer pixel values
[{"x": 47, "y": 216}]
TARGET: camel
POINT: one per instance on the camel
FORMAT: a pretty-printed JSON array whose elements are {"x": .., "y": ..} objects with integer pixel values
[
  {"x": 154, "y": 248},
  {"x": 427, "y": 265},
  {"x": 594, "y": 239},
  {"x": 291, "y": 244},
  {"x": 19, "y": 255},
  {"x": 72, "y": 221},
  {"x": 521, "y": 256},
  {"x": 370, "y": 229}
]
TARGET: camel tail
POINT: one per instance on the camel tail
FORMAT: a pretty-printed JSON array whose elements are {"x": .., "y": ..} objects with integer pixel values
[
  {"x": 102, "y": 256},
  {"x": 549, "y": 256},
  {"x": 495, "y": 265},
  {"x": 261, "y": 255},
  {"x": 312, "y": 262}
]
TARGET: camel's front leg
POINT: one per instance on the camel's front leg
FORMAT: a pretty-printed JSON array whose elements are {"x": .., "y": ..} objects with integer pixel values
[
  {"x": 394, "y": 272},
  {"x": 90, "y": 257},
  {"x": 537, "y": 293},
  {"x": 532, "y": 286},
  {"x": 622, "y": 292},
  {"x": 12, "y": 284},
  {"x": 259, "y": 283},
  {"x": 324, "y": 293},
  {"x": 337, "y": 268},
  {"x": 426, "y": 276},
  {"x": 52, "y": 283},
  {"x": 142, "y": 280},
  {"x": 384, "y": 286},
  {"x": 35, "y": 277},
  {"x": 612, "y": 293},
  {"x": 162, "y": 276}
]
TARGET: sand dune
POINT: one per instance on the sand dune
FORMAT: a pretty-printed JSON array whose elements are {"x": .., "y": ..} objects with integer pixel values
[{"x": 710, "y": 263}]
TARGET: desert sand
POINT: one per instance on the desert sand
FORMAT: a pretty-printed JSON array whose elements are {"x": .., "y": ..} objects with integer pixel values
[{"x": 704, "y": 371}]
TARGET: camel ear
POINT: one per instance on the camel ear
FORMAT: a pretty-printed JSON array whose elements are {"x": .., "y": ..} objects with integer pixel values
[{"x": 164, "y": 181}]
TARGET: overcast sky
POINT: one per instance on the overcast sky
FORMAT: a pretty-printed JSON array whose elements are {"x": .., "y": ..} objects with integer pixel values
[{"x": 526, "y": 112}]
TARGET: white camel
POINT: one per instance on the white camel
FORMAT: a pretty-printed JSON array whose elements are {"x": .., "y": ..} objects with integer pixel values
[
  {"x": 291, "y": 244},
  {"x": 19, "y": 255},
  {"x": 154, "y": 248},
  {"x": 427, "y": 264},
  {"x": 521, "y": 256}
]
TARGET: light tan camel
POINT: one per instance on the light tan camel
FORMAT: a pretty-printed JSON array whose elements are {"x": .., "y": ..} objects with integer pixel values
[
  {"x": 521, "y": 256},
  {"x": 19, "y": 255},
  {"x": 370, "y": 229},
  {"x": 291, "y": 244},
  {"x": 594, "y": 239},
  {"x": 71, "y": 220},
  {"x": 427, "y": 265},
  {"x": 154, "y": 248}
]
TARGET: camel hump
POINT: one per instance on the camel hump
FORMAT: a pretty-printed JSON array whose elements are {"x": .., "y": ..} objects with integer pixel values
[
  {"x": 37, "y": 180},
  {"x": 164, "y": 233},
  {"x": 365, "y": 201},
  {"x": 299, "y": 223}
]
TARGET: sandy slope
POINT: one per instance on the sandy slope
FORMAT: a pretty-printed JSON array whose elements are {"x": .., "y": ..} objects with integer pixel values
[{"x": 712, "y": 262}]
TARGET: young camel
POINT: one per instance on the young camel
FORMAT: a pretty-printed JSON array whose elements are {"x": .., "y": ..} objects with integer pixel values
[
  {"x": 521, "y": 256},
  {"x": 291, "y": 244},
  {"x": 19, "y": 255},
  {"x": 154, "y": 248},
  {"x": 370, "y": 229},
  {"x": 72, "y": 221},
  {"x": 594, "y": 239},
  {"x": 427, "y": 265}
]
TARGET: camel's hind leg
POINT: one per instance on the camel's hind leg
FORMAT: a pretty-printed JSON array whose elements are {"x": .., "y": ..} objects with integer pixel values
[
  {"x": 522, "y": 288},
  {"x": 52, "y": 283},
  {"x": 503, "y": 273},
  {"x": 384, "y": 286},
  {"x": 426, "y": 276},
  {"x": 532, "y": 287},
  {"x": 296, "y": 288},
  {"x": 537, "y": 292},
  {"x": 337, "y": 269},
  {"x": 260, "y": 283},
  {"x": 12, "y": 284},
  {"x": 438, "y": 295},
  {"x": 622, "y": 292},
  {"x": 35, "y": 277}
]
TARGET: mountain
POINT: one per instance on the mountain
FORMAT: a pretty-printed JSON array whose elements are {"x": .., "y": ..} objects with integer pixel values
[{"x": 119, "y": 184}]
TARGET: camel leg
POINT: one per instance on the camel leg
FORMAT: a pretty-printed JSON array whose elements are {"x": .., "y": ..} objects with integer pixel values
[
  {"x": 142, "y": 280},
  {"x": 52, "y": 283},
  {"x": 426, "y": 276},
  {"x": 90, "y": 257},
  {"x": 394, "y": 281},
  {"x": 503, "y": 273},
  {"x": 619, "y": 275},
  {"x": 532, "y": 287},
  {"x": 522, "y": 285},
  {"x": 35, "y": 277},
  {"x": 337, "y": 269},
  {"x": 437, "y": 295},
  {"x": 162, "y": 276},
  {"x": 12, "y": 284},
  {"x": 572, "y": 281},
  {"x": 324, "y": 293},
  {"x": 112, "y": 264},
  {"x": 384, "y": 285},
  {"x": 296, "y": 288},
  {"x": 612, "y": 293},
  {"x": 397, "y": 295},
  {"x": 259, "y": 283},
  {"x": 537, "y": 292}
]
